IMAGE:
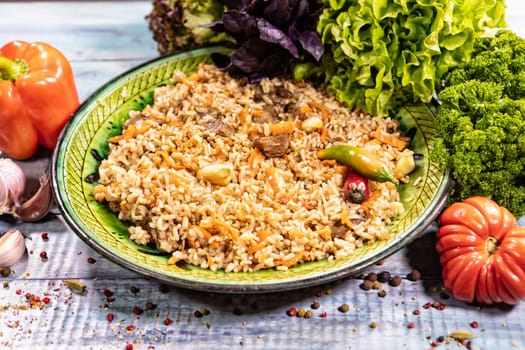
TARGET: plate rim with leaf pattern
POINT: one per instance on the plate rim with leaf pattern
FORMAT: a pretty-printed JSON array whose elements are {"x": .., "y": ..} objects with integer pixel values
[{"x": 83, "y": 144}]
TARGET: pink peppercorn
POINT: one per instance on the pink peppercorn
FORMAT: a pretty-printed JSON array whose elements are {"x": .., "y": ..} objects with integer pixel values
[
  {"x": 45, "y": 236},
  {"x": 411, "y": 325},
  {"x": 43, "y": 255},
  {"x": 292, "y": 312},
  {"x": 91, "y": 260},
  {"x": 323, "y": 314},
  {"x": 129, "y": 347},
  {"x": 110, "y": 317},
  {"x": 46, "y": 300},
  {"x": 474, "y": 324},
  {"x": 168, "y": 321}
]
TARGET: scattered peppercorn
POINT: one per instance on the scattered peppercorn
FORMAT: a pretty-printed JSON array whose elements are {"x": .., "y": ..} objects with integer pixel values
[
  {"x": 366, "y": 285},
  {"x": 45, "y": 236},
  {"x": 308, "y": 314},
  {"x": 91, "y": 260},
  {"x": 46, "y": 300},
  {"x": 6, "y": 284},
  {"x": 292, "y": 312},
  {"x": 373, "y": 324},
  {"x": 5, "y": 271},
  {"x": 427, "y": 305},
  {"x": 43, "y": 255},
  {"x": 198, "y": 314},
  {"x": 441, "y": 307},
  {"x": 130, "y": 328},
  {"x": 414, "y": 276},
  {"x": 150, "y": 306},
  {"x": 383, "y": 276},
  {"x": 382, "y": 293},
  {"x": 416, "y": 312},
  {"x": 107, "y": 293},
  {"x": 134, "y": 290},
  {"x": 137, "y": 310},
  {"x": 372, "y": 276},
  {"x": 301, "y": 312},
  {"x": 168, "y": 321},
  {"x": 434, "y": 343},
  {"x": 323, "y": 314},
  {"x": 315, "y": 305},
  {"x": 411, "y": 325},
  {"x": 129, "y": 347},
  {"x": 441, "y": 338},
  {"x": 344, "y": 308},
  {"x": 319, "y": 293},
  {"x": 110, "y": 317},
  {"x": 474, "y": 324},
  {"x": 376, "y": 285},
  {"x": 395, "y": 281}
]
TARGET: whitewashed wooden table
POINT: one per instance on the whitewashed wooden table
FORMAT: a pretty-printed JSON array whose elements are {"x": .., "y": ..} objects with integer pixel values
[{"x": 102, "y": 40}]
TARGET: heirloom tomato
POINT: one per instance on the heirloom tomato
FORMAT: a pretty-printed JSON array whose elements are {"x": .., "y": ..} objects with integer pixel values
[{"x": 482, "y": 252}]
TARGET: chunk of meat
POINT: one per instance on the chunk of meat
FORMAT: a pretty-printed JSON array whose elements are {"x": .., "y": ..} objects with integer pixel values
[
  {"x": 273, "y": 146},
  {"x": 220, "y": 128}
]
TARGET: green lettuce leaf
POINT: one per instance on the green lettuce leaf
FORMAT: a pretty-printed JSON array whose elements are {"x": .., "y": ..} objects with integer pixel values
[{"x": 382, "y": 54}]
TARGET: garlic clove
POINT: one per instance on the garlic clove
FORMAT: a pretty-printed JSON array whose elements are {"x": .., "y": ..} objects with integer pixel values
[
  {"x": 12, "y": 185},
  {"x": 12, "y": 247},
  {"x": 36, "y": 207}
]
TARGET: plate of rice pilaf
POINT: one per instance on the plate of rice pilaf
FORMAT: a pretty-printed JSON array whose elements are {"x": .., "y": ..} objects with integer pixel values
[{"x": 181, "y": 172}]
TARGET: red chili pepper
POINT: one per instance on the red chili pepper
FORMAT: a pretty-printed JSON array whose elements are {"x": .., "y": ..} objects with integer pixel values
[
  {"x": 37, "y": 97},
  {"x": 356, "y": 188}
]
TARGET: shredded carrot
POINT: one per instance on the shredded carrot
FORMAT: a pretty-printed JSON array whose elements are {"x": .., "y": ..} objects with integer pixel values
[
  {"x": 218, "y": 227},
  {"x": 173, "y": 260},
  {"x": 130, "y": 132},
  {"x": 262, "y": 235},
  {"x": 306, "y": 109},
  {"x": 344, "y": 218},
  {"x": 329, "y": 162},
  {"x": 389, "y": 139},
  {"x": 342, "y": 169},
  {"x": 257, "y": 112},
  {"x": 309, "y": 204},
  {"x": 255, "y": 158},
  {"x": 243, "y": 114},
  {"x": 326, "y": 117},
  {"x": 272, "y": 179},
  {"x": 325, "y": 233},
  {"x": 166, "y": 158},
  {"x": 289, "y": 262},
  {"x": 205, "y": 233},
  {"x": 282, "y": 128},
  {"x": 209, "y": 100},
  {"x": 100, "y": 193}
]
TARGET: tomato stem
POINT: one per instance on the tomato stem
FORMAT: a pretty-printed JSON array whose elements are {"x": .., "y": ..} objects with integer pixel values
[{"x": 491, "y": 245}]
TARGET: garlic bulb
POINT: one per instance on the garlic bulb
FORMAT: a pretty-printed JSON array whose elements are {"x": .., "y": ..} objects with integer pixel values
[
  {"x": 12, "y": 185},
  {"x": 36, "y": 207},
  {"x": 12, "y": 247}
]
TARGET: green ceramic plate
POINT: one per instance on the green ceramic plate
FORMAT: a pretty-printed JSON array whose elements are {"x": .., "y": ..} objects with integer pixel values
[{"x": 84, "y": 142}]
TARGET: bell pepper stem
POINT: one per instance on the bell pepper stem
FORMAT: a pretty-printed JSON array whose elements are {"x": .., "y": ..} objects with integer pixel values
[{"x": 12, "y": 69}]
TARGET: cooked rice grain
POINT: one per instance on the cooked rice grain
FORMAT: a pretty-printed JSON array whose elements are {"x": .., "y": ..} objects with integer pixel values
[{"x": 268, "y": 211}]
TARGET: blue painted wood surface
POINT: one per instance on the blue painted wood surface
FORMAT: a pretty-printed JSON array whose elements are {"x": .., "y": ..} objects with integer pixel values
[{"x": 102, "y": 40}]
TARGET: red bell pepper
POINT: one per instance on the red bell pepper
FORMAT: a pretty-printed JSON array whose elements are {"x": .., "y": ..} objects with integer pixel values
[{"x": 38, "y": 96}]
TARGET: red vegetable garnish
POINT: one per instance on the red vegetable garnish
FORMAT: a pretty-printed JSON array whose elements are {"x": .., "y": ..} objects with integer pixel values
[
  {"x": 482, "y": 251},
  {"x": 356, "y": 188}
]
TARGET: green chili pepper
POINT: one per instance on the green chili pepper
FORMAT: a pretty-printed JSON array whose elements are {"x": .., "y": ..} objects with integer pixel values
[{"x": 360, "y": 160}]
